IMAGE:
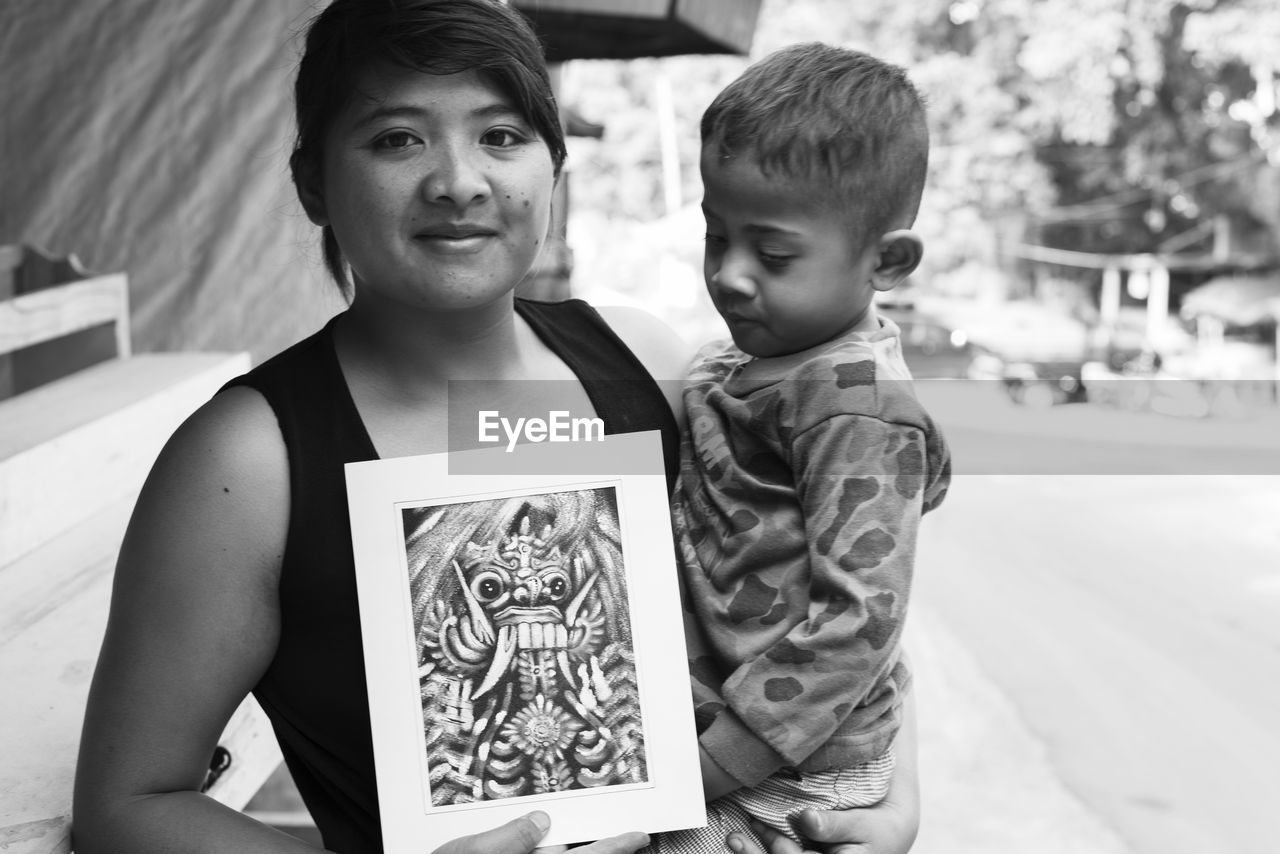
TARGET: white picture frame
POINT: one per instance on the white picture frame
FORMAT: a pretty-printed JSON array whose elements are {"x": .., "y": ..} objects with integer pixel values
[{"x": 523, "y": 643}]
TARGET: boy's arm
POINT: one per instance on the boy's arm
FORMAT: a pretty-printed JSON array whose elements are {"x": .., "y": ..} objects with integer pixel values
[
  {"x": 715, "y": 719},
  {"x": 862, "y": 532},
  {"x": 744, "y": 758}
]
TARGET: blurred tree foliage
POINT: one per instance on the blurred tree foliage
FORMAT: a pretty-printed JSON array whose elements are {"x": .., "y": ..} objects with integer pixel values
[
  {"x": 1094, "y": 125},
  {"x": 1181, "y": 129}
]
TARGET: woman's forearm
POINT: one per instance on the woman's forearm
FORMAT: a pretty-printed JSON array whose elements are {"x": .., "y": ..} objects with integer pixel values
[{"x": 177, "y": 821}]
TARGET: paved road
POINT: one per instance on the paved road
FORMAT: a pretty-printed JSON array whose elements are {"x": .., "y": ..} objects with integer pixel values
[{"x": 1130, "y": 624}]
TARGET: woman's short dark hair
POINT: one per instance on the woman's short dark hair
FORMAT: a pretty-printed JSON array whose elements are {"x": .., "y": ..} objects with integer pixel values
[{"x": 431, "y": 36}]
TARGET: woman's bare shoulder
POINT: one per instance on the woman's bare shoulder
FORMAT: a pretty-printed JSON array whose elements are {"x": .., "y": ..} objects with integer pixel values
[
  {"x": 237, "y": 430},
  {"x": 221, "y": 482},
  {"x": 660, "y": 348}
]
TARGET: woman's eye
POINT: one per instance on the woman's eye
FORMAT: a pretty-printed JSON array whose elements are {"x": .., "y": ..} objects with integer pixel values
[
  {"x": 396, "y": 140},
  {"x": 502, "y": 138}
]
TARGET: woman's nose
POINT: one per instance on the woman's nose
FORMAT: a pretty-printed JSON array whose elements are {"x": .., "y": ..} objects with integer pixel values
[{"x": 456, "y": 177}]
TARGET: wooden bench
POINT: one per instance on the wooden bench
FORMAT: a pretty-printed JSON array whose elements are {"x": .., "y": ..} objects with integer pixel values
[{"x": 74, "y": 451}]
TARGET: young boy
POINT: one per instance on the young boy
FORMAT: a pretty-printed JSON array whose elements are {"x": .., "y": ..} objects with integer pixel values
[{"x": 808, "y": 461}]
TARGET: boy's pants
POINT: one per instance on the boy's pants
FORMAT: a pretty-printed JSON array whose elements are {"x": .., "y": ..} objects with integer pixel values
[{"x": 775, "y": 800}]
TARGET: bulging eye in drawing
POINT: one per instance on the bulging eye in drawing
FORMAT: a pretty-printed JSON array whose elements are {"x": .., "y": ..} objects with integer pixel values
[{"x": 526, "y": 664}]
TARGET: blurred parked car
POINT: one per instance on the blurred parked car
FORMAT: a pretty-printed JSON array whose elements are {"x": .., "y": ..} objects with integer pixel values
[
  {"x": 1036, "y": 353},
  {"x": 1044, "y": 384},
  {"x": 932, "y": 349},
  {"x": 1038, "y": 383}
]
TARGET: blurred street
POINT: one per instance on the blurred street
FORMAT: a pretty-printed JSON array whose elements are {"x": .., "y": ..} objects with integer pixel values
[
  {"x": 1097, "y": 655},
  {"x": 989, "y": 434}
]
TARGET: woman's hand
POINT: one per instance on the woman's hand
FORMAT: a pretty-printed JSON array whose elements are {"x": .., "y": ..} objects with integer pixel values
[
  {"x": 889, "y": 827},
  {"x": 886, "y": 828},
  {"x": 521, "y": 835}
]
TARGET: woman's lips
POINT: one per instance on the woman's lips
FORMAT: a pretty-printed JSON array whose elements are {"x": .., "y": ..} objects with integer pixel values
[{"x": 461, "y": 239}]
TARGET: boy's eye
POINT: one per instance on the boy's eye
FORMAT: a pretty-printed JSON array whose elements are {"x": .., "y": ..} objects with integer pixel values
[
  {"x": 502, "y": 138},
  {"x": 715, "y": 241},
  {"x": 396, "y": 140},
  {"x": 769, "y": 259}
]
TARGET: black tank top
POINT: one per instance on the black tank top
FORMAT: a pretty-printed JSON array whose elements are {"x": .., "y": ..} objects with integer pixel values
[{"x": 314, "y": 691}]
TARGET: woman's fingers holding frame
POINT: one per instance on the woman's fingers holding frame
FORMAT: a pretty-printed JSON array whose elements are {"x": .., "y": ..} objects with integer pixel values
[
  {"x": 521, "y": 835},
  {"x": 624, "y": 843},
  {"x": 843, "y": 835}
]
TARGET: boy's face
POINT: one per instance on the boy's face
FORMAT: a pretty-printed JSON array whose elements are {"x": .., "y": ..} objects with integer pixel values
[{"x": 784, "y": 267}]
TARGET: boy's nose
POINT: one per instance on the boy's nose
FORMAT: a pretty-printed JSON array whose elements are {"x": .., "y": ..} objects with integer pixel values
[{"x": 731, "y": 280}]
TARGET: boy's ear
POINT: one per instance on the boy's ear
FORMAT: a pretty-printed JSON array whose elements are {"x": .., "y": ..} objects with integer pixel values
[{"x": 900, "y": 254}]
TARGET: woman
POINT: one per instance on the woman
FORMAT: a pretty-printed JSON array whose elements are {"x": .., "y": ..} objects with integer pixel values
[{"x": 428, "y": 146}]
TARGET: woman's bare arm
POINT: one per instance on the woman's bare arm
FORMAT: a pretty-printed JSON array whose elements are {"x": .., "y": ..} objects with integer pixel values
[{"x": 194, "y": 623}]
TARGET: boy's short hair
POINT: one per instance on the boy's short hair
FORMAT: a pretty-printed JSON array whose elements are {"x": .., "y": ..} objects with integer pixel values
[{"x": 814, "y": 112}]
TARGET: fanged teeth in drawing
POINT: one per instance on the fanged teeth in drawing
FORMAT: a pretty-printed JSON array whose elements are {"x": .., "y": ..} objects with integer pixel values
[
  {"x": 514, "y": 637},
  {"x": 504, "y": 650},
  {"x": 541, "y": 636}
]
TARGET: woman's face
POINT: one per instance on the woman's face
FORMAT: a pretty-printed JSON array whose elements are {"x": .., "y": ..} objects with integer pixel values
[{"x": 438, "y": 191}]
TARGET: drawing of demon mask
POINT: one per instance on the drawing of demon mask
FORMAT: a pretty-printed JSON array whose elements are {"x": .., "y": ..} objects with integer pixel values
[
  {"x": 520, "y": 596},
  {"x": 525, "y": 665}
]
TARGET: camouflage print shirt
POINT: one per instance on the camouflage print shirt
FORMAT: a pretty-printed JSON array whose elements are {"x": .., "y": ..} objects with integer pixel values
[{"x": 802, "y": 483}]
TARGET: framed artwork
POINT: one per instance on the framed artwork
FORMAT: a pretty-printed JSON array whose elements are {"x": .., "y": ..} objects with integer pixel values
[{"x": 523, "y": 644}]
